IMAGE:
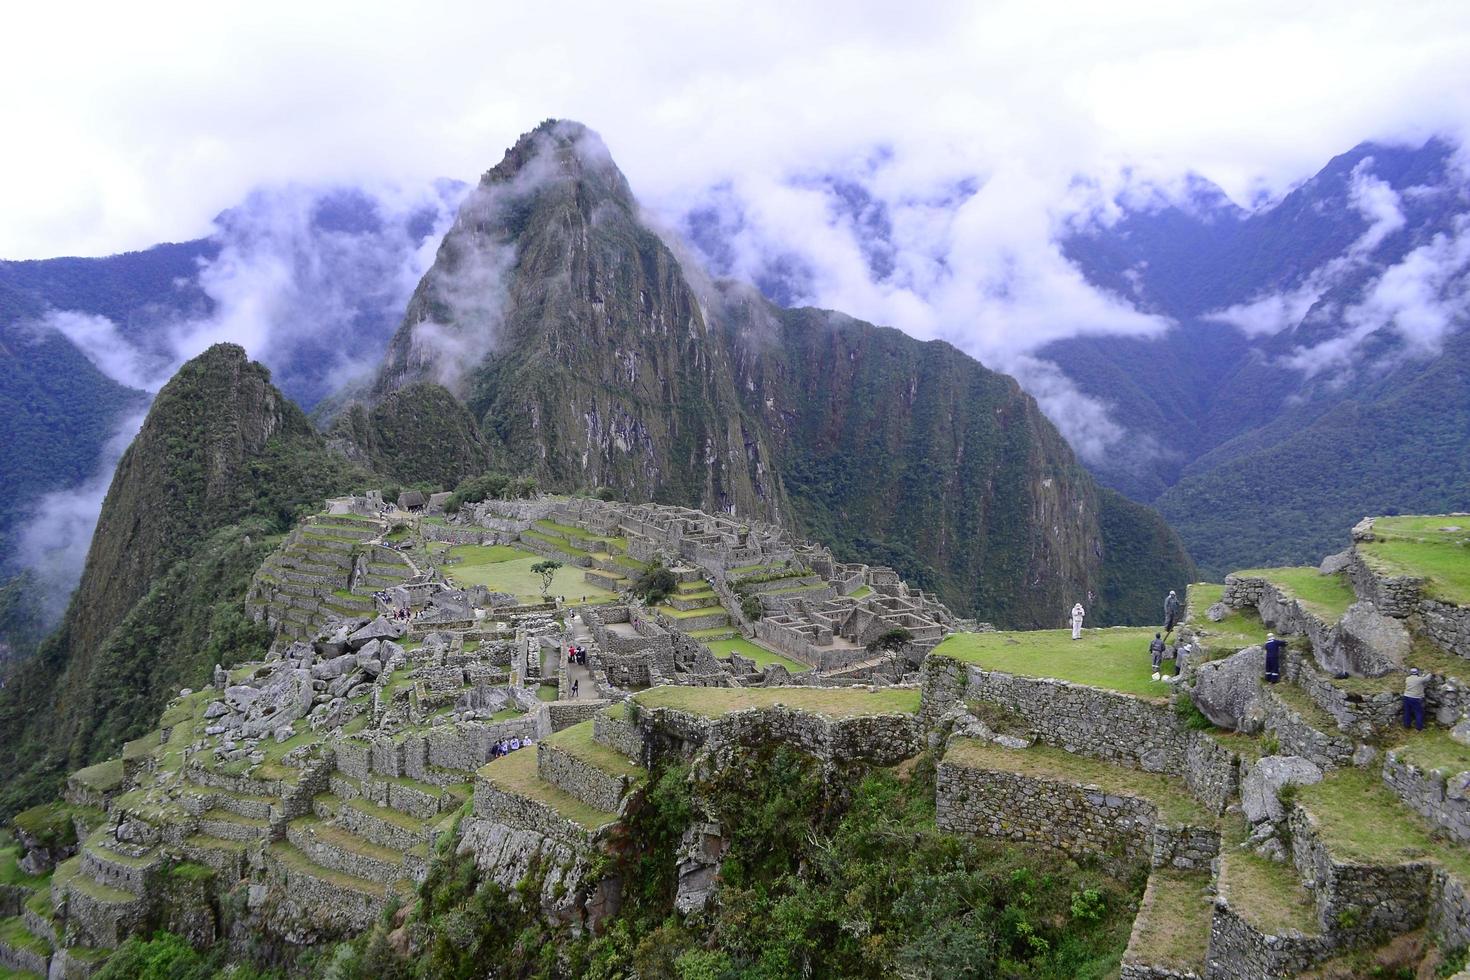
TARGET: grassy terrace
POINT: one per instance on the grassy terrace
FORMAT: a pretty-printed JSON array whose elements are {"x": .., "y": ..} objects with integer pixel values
[
  {"x": 1433, "y": 749},
  {"x": 1361, "y": 820},
  {"x": 1173, "y": 927},
  {"x": 1327, "y": 596},
  {"x": 14, "y": 934},
  {"x": 102, "y": 777},
  {"x": 295, "y": 861},
  {"x": 673, "y": 613},
  {"x": 504, "y": 569},
  {"x": 1043, "y": 762},
  {"x": 1115, "y": 659},
  {"x": 754, "y": 651},
  {"x": 1267, "y": 895},
  {"x": 516, "y": 773},
  {"x": 577, "y": 741},
  {"x": 1434, "y": 548},
  {"x": 847, "y": 702},
  {"x": 1238, "y": 630}
]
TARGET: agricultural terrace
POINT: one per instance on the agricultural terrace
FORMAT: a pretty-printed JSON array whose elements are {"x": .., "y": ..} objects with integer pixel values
[
  {"x": 501, "y": 568},
  {"x": 1115, "y": 659}
]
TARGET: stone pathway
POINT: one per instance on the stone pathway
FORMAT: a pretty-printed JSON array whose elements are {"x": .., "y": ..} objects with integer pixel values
[{"x": 586, "y": 686}]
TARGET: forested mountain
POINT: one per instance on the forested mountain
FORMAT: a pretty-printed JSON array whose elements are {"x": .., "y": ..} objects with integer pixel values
[
  {"x": 222, "y": 463},
  {"x": 588, "y": 351},
  {"x": 1317, "y": 370}
]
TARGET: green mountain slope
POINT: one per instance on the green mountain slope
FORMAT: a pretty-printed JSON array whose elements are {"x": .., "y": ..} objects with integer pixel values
[
  {"x": 588, "y": 353},
  {"x": 222, "y": 462}
]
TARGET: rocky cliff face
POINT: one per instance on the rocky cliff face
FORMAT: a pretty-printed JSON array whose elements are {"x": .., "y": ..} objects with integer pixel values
[
  {"x": 573, "y": 335},
  {"x": 222, "y": 461},
  {"x": 590, "y": 357}
]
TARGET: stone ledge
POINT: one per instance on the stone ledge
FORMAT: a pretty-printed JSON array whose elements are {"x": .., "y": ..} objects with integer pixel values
[{"x": 1442, "y": 799}]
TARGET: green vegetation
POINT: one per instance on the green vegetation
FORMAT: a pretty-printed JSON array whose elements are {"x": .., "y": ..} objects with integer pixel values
[
  {"x": 1328, "y": 596},
  {"x": 500, "y": 572},
  {"x": 1266, "y": 894},
  {"x": 489, "y": 485},
  {"x": 1434, "y": 750},
  {"x": 1173, "y": 926},
  {"x": 516, "y": 773},
  {"x": 754, "y": 651},
  {"x": 1115, "y": 659},
  {"x": 1434, "y": 548},
  {"x": 547, "y": 571},
  {"x": 577, "y": 741},
  {"x": 50, "y": 824},
  {"x": 1239, "y": 629},
  {"x": 1173, "y": 800},
  {"x": 548, "y": 692},
  {"x": 166, "y": 956},
  {"x": 1361, "y": 820},
  {"x": 891, "y": 640},
  {"x": 840, "y": 702},
  {"x": 848, "y": 879},
  {"x": 654, "y": 584}
]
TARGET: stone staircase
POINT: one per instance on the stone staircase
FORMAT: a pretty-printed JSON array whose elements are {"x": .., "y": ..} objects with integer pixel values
[
  {"x": 693, "y": 607},
  {"x": 329, "y": 566}
]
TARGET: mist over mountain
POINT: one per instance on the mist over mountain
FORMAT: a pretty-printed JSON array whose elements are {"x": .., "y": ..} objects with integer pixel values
[{"x": 311, "y": 280}]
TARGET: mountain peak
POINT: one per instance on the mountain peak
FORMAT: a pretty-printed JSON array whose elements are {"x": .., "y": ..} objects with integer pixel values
[{"x": 560, "y": 150}]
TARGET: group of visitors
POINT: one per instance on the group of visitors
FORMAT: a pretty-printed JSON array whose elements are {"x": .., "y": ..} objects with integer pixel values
[
  {"x": 508, "y": 745},
  {"x": 1160, "y": 650},
  {"x": 577, "y": 654}
]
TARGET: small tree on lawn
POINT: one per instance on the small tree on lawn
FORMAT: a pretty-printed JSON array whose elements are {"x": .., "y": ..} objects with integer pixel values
[
  {"x": 547, "y": 570},
  {"x": 894, "y": 639}
]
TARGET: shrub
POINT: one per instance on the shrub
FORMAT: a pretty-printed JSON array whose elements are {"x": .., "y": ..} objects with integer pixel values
[
  {"x": 654, "y": 585},
  {"x": 751, "y": 608}
]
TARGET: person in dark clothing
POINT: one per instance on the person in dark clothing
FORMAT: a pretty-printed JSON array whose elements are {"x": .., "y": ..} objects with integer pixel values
[
  {"x": 1171, "y": 612},
  {"x": 1156, "y": 648},
  {"x": 1414, "y": 686},
  {"x": 1273, "y": 658}
]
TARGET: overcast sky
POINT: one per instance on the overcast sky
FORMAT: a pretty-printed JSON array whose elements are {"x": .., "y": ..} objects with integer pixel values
[{"x": 128, "y": 124}]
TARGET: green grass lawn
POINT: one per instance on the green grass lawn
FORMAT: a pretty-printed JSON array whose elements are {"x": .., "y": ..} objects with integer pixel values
[
  {"x": 1241, "y": 628},
  {"x": 836, "y": 702},
  {"x": 1043, "y": 762},
  {"x": 516, "y": 773},
  {"x": 577, "y": 741},
  {"x": 1422, "y": 546},
  {"x": 1361, "y": 820},
  {"x": 754, "y": 651},
  {"x": 673, "y": 613},
  {"x": 548, "y": 692},
  {"x": 861, "y": 592},
  {"x": 504, "y": 569},
  {"x": 1173, "y": 927},
  {"x": 1434, "y": 749},
  {"x": 1268, "y": 895},
  {"x": 1328, "y": 596},
  {"x": 1116, "y": 659}
]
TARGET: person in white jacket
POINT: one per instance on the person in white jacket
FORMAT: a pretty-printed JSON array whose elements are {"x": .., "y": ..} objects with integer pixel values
[{"x": 1077, "y": 613}]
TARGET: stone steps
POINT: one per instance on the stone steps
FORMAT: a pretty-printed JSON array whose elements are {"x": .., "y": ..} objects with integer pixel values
[
  {"x": 115, "y": 870},
  {"x": 231, "y": 826},
  {"x": 336, "y": 848},
  {"x": 226, "y": 857},
  {"x": 382, "y": 825},
  {"x": 692, "y": 600},
  {"x": 240, "y": 804},
  {"x": 22, "y": 950}
]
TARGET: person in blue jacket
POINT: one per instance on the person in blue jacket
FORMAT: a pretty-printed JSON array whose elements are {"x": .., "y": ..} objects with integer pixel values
[{"x": 1273, "y": 658}]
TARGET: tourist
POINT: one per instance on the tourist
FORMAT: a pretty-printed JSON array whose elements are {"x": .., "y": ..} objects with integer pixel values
[
  {"x": 1156, "y": 648},
  {"x": 1414, "y": 686},
  {"x": 1179, "y": 654},
  {"x": 1171, "y": 612},
  {"x": 1077, "y": 613},
  {"x": 515, "y": 744},
  {"x": 1273, "y": 658},
  {"x": 574, "y": 687}
]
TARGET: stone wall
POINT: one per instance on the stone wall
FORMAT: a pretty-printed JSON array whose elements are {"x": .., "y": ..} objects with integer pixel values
[
  {"x": 1449, "y": 910},
  {"x": 1119, "y": 728},
  {"x": 1443, "y": 800},
  {"x": 1447, "y": 625},
  {"x": 1355, "y": 901},
  {"x": 1364, "y": 716},
  {"x": 1078, "y": 820},
  {"x": 586, "y": 782},
  {"x": 874, "y": 739},
  {"x": 1212, "y": 772},
  {"x": 1392, "y": 595},
  {"x": 565, "y": 714},
  {"x": 619, "y": 734},
  {"x": 494, "y": 804},
  {"x": 1240, "y": 951},
  {"x": 1297, "y": 736}
]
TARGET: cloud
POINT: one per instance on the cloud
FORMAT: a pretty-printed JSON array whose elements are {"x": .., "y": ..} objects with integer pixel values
[
  {"x": 1378, "y": 204},
  {"x": 1418, "y": 300},
  {"x": 311, "y": 281},
  {"x": 57, "y": 530}
]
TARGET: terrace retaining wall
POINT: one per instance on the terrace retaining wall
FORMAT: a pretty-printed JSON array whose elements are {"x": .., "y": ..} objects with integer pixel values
[{"x": 1442, "y": 799}]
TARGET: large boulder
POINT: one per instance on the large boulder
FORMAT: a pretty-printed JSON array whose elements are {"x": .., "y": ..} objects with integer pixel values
[
  {"x": 1370, "y": 643},
  {"x": 381, "y": 628},
  {"x": 1339, "y": 562},
  {"x": 1260, "y": 790},
  {"x": 1228, "y": 692},
  {"x": 328, "y": 670},
  {"x": 286, "y": 698}
]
